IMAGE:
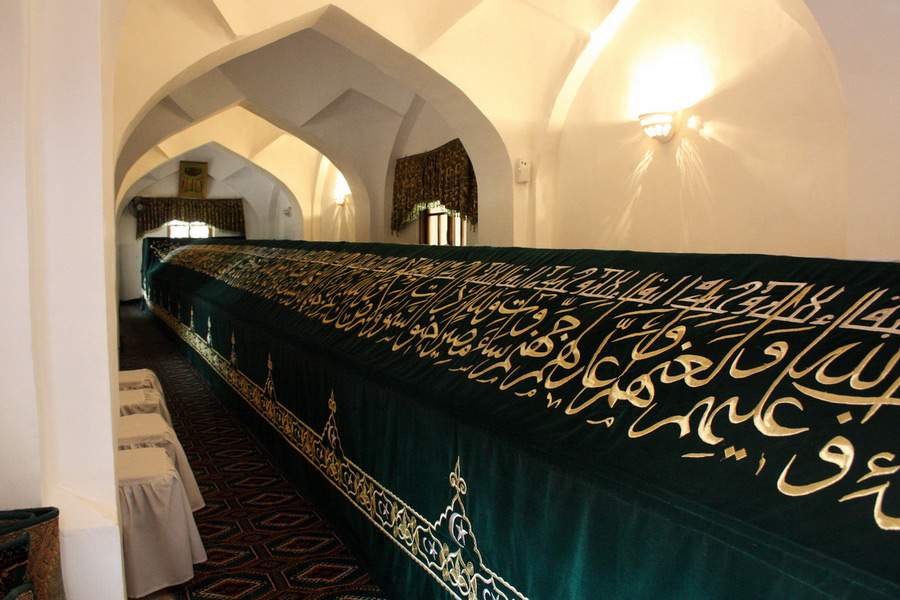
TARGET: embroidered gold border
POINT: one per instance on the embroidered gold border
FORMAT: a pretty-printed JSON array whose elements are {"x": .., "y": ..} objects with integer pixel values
[{"x": 440, "y": 547}]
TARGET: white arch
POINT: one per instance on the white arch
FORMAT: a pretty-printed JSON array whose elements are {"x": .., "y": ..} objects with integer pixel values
[
  {"x": 481, "y": 139},
  {"x": 862, "y": 38},
  {"x": 246, "y": 131},
  {"x": 201, "y": 153},
  {"x": 760, "y": 162}
]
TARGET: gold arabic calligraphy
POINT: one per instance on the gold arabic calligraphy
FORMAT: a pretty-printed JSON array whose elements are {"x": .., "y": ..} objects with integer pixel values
[{"x": 591, "y": 341}]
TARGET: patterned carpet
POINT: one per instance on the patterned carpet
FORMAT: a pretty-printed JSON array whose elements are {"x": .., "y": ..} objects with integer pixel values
[{"x": 264, "y": 540}]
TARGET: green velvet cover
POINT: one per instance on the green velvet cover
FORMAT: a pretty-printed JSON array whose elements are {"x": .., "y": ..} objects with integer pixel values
[
  {"x": 554, "y": 424},
  {"x": 13, "y": 564}
]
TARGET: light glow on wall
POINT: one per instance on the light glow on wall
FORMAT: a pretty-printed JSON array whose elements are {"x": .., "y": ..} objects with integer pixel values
[
  {"x": 671, "y": 79},
  {"x": 341, "y": 189},
  {"x": 659, "y": 126}
]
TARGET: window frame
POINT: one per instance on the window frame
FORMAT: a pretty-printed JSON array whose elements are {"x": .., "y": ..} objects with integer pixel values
[
  {"x": 436, "y": 222},
  {"x": 191, "y": 228}
]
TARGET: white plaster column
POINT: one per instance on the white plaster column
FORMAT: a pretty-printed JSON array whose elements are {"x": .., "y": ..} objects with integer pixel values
[
  {"x": 71, "y": 276},
  {"x": 19, "y": 441}
]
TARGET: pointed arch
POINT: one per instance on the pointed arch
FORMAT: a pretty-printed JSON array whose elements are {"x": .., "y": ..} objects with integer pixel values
[{"x": 174, "y": 107}]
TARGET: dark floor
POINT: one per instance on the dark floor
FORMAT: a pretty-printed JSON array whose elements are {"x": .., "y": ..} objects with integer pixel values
[{"x": 264, "y": 539}]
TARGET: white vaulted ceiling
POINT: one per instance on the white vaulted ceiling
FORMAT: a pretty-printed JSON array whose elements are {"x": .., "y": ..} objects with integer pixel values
[
  {"x": 345, "y": 85},
  {"x": 515, "y": 79}
]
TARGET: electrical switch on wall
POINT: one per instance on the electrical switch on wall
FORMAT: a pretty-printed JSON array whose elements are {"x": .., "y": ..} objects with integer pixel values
[{"x": 523, "y": 171}]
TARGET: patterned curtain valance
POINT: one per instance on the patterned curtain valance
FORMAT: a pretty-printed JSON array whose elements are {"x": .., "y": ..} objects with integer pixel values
[
  {"x": 226, "y": 213},
  {"x": 443, "y": 176}
]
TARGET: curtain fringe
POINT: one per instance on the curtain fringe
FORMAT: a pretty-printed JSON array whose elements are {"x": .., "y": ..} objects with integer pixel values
[
  {"x": 223, "y": 213},
  {"x": 440, "y": 177}
]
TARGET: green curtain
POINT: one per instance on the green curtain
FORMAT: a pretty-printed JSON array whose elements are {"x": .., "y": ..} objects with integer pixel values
[
  {"x": 226, "y": 213},
  {"x": 440, "y": 177}
]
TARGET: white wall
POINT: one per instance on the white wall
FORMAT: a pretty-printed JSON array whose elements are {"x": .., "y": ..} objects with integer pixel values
[
  {"x": 295, "y": 165},
  {"x": 57, "y": 163},
  {"x": 864, "y": 38},
  {"x": 286, "y": 220},
  {"x": 20, "y": 475},
  {"x": 430, "y": 131},
  {"x": 336, "y": 222},
  {"x": 759, "y": 164}
]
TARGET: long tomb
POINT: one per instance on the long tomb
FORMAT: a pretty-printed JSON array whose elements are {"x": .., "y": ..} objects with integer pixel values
[{"x": 508, "y": 423}]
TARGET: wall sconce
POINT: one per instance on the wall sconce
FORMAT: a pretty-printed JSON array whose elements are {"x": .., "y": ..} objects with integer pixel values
[
  {"x": 661, "y": 126},
  {"x": 340, "y": 200}
]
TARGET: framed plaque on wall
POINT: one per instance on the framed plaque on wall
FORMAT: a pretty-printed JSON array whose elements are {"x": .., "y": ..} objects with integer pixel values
[{"x": 192, "y": 179}]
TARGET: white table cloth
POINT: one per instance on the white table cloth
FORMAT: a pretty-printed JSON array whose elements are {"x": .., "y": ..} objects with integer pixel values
[
  {"x": 146, "y": 430},
  {"x": 160, "y": 539},
  {"x": 134, "y": 379},
  {"x": 143, "y": 401}
]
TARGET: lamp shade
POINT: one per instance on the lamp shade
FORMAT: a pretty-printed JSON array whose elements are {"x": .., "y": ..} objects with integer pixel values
[{"x": 660, "y": 126}]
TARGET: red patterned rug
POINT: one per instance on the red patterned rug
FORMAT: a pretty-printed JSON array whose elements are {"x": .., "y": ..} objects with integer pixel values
[{"x": 264, "y": 540}]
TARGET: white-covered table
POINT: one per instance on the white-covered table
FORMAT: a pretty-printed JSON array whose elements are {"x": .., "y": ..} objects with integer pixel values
[
  {"x": 150, "y": 429},
  {"x": 160, "y": 538},
  {"x": 134, "y": 379},
  {"x": 143, "y": 401}
]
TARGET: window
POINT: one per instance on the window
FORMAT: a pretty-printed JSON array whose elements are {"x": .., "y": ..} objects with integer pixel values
[
  {"x": 180, "y": 229},
  {"x": 438, "y": 228}
]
